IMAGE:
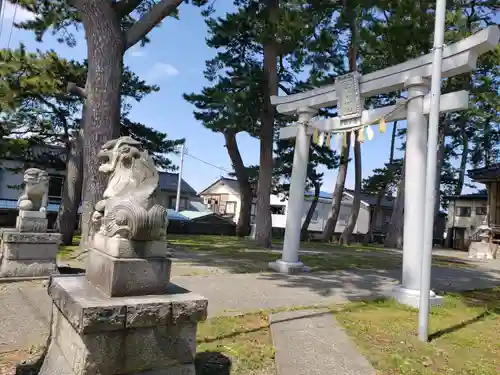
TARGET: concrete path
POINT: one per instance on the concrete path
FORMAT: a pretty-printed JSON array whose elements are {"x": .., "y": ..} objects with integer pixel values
[
  {"x": 24, "y": 314},
  {"x": 25, "y": 306},
  {"x": 311, "y": 342}
]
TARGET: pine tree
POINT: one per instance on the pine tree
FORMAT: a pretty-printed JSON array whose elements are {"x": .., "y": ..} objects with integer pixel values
[
  {"x": 229, "y": 107},
  {"x": 38, "y": 110},
  {"x": 111, "y": 28},
  {"x": 266, "y": 41}
]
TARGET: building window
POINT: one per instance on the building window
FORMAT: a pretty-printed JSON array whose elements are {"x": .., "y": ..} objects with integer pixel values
[
  {"x": 230, "y": 208},
  {"x": 56, "y": 186},
  {"x": 183, "y": 203},
  {"x": 277, "y": 209},
  {"x": 463, "y": 211},
  {"x": 480, "y": 211}
]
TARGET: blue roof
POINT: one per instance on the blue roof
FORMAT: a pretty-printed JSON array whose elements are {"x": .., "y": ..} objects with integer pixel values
[{"x": 175, "y": 216}]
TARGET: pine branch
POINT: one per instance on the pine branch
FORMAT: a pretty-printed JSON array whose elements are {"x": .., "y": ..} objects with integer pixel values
[
  {"x": 72, "y": 88},
  {"x": 152, "y": 18}
]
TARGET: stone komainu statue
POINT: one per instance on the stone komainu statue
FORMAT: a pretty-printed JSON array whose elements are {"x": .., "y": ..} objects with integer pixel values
[
  {"x": 36, "y": 191},
  {"x": 129, "y": 208}
]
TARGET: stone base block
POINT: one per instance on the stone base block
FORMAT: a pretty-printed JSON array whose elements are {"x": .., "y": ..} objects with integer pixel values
[
  {"x": 31, "y": 224},
  {"x": 288, "y": 267},
  {"x": 411, "y": 297},
  {"x": 481, "y": 250},
  {"x": 148, "y": 335},
  {"x": 123, "y": 248},
  {"x": 27, "y": 268},
  {"x": 118, "y": 277},
  {"x": 32, "y": 214},
  {"x": 28, "y": 254}
]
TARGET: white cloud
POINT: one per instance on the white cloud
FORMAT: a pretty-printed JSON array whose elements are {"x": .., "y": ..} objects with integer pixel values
[
  {"x": 161, "y": 70},
  {"x": 12, "y": 12}
]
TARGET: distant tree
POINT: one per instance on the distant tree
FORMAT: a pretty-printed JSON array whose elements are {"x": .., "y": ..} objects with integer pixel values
[
  {"x": 37, "y": 110},
  {"x": 229, "y": 107},
  {"x": 269, "y": 41}
]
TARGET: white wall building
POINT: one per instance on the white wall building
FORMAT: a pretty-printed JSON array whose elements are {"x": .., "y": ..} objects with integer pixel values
[{"x": 223, "y": 197}]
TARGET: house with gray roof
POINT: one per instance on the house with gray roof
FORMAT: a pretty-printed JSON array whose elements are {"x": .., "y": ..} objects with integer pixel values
[
  {"x": 466, "y": 213},
  {"x": 223, "y": 197},
  {"x": 168, "y": 187},
  {"x": 52, "y": 159}
]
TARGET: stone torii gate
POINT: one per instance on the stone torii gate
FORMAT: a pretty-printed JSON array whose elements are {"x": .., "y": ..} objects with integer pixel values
[{"x": 412, "y": 75}]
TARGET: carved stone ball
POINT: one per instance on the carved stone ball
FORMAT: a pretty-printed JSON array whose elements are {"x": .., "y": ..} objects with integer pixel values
[{"x": 26, "y": 205}]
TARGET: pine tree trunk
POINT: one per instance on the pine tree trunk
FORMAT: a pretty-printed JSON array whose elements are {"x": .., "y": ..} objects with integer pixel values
[
  {"x": 72, "y": 193},
  {"x": 383, "y": 190},
  {"x": 243, "y": 225},
  {"x": 263, "y": 215},
  {"x": 333, "y": 213},
  {"x": 105, "y": 45},
  {"x": 395, "y": 233},
  {"x": 439, "y": 167},
  {"x": 310, "y": 212},
  {"x": 375, "y": 213},
  {"x": 346, "y": 236},
  {"x": 463, "y": 162}
]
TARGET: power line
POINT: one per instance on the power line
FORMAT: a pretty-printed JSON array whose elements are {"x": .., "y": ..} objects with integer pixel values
[
  {"x": 12, "y": 25},
  {"x": 207, "y": 163}
]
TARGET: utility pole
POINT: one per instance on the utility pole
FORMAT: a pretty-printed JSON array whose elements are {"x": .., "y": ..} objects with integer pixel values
[
  {"x": 430, "y": 177},
  {"x": 179, "y": 181}
]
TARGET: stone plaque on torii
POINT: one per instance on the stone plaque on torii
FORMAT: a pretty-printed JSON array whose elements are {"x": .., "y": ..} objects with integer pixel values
[{"x": 413, "y": 76}]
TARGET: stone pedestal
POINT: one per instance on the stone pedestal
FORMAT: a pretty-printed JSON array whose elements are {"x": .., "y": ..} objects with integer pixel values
[
  {"x": 26, "y": 254},
  {"x": 146, "y": 335},
  {"x": 481, "y": 250},
  {"x": 124, "y": 316},
  {"x": 32, "y": 221},
  {"x": 288, "y": 267},
  {"x": 411, "y": 297},
  {"x": 119, "y": 267}
]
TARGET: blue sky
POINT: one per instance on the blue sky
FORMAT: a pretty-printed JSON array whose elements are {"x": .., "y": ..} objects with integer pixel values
[{"x": 175, "y": 60}]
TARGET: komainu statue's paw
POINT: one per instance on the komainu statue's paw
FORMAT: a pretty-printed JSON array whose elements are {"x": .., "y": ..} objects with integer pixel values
[
  {"x": 25, "y": 205},
  {"x": 96, "y": 216}
]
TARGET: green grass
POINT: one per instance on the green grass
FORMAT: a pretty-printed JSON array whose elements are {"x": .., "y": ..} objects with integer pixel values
[
  {"x": 243, "y": 255},
  {"x": 200, "y": 242},
  {"x": 68, "y": 251},
  {"x": 465, "y": 335},
  {"x": 244, "y": 339}
]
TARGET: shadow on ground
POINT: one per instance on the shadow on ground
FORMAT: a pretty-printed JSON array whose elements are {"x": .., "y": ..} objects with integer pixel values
[
  {"x": 212, "y": 363},
  {"x": 68, "y": 270},
  {"x": 369, "y": 284}
]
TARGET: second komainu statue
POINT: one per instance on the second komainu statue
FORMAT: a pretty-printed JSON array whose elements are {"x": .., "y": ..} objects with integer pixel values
[{"x": 129, "y": 208}]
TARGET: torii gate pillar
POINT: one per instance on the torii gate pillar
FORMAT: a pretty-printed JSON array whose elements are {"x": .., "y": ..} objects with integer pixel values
[
  {"x": 415, "y": 168},
  {"x": 289, "y": 262}
]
